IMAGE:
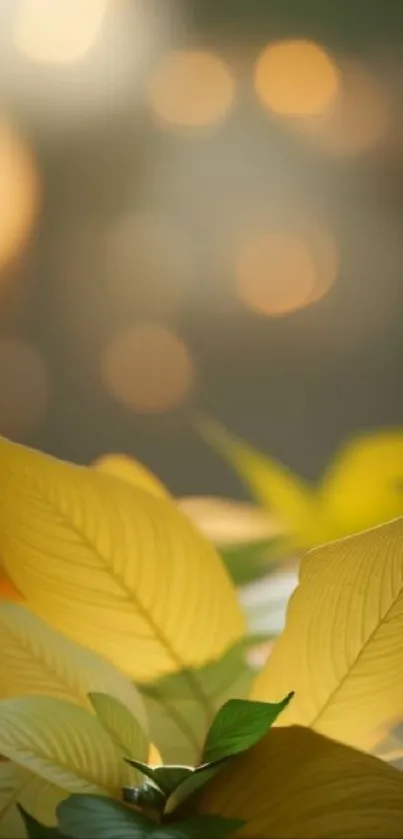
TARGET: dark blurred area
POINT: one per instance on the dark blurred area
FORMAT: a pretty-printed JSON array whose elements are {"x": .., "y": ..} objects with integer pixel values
[{"x": 201, "y": 210}]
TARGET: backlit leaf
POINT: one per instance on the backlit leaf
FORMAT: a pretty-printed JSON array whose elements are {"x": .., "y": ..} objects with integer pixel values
[
  {"x": 121, "y": 725},
  {"x": 36, "y": 659},
  {"x": 179, "y": 718},
  {"x": 131, "y": 470},
  {"x": 238, "y": 725},
  {"x": 341, "y": 650},
  {"x": 297, "y": 783},
  {"x": 62, "y": 743},
  {"x": 95, "y": 557}
]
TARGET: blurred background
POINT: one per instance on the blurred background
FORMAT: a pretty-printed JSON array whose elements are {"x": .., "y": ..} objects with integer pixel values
[{"x": 201, "y": 208}]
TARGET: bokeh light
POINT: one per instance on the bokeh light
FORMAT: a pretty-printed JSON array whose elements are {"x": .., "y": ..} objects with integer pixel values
[
  {"x": 191, "y": 89},
  {"x": 360, "y": 116},
  {"x": 58, "y": 32},
  {"x": 23, "y": 389},
  {"x": 19, "y": 195},
  {"x": 150, "y": 260},
  {"x": 148, "y": 368},
  {"x": 276, "y": 273},
  {"x": 296, "y": 78}
]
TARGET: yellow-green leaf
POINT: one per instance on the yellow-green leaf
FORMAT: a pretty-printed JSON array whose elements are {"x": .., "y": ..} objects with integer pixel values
[
  {"x": 113, "y": 566},
  {"x": 35, "y": 659},
  {"x": 341, "y": 650},
  {"x": 39, "y": 798},
  {"x": 121, "y": 725},
  {"x": 63, "y": 743},
  {"x": 290, "y": 502},
  {"x": 131, "y": 470},
  {"x": 13, "y": 780},
  {"x": 296, "y": 783},
  {"x": 363, "y": 486}
]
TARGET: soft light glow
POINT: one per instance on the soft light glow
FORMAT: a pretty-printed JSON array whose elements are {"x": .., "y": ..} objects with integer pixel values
[
  {"x": 19, "y": 194},
  {"x": 148, "y": 368},
  {"x": 58, "y": 31},
  {"x": 191, "y": 89},
  {"x": 275, "y": 273},
  {"x": 325, "y": 253},
  {"x": 23, "y": 389},
  {"x": 360, "y": 115},
  {"x": 150, "y": 261},
  {"x": 296, "y": 78}
]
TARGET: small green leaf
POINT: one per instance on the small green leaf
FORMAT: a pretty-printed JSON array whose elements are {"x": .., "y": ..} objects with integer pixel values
[
  {"x": 36, "y": 830},
  {"x": 238, "y": 725},
  {"x": 167, "y": 778},
  {"x": 190, "y": 785},
  {"x": 200, "y": 827},
  {"x": 96, "y": 817},
  {"x": 147, "y": 797}
]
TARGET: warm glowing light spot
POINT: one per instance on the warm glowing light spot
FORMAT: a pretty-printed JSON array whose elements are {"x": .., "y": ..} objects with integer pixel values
[
  {"x": 325, "y": 253},
  {"x": 148, "y": 368},
  {"x": 23, "y": 389},
  {"x": 58, "y": 31},
  {"x": 226, "y": 522},
  {"x": 19, "y": 194},
  {"x": 150, "y": 261},
  {"x": 296, "y": 78},
  {"x": 275, "y": 273},
  {"x": 359, "y": 118},
  {"x": 191, "y": 89}
]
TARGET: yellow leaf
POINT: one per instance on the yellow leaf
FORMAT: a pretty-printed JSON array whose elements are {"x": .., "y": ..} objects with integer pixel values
[
  {"x": 363, "y": 486},
  {"x": 227, "y": 522},
  {"x": 296, "y": 783},
  {"x": 63, "y": 743},
  {"x": 113, "y": 566},
  {"x": 8, "y": 591},
  {"x": 36, "y": 659},
  {"x": 40, "y": 799},
  {"x": 284, "y": 495},
  {"x": 131, "y": 470},
  {"x": 341, "y": 650}
]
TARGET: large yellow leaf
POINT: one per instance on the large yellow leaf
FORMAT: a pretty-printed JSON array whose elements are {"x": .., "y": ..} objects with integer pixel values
[
  {"x": 131, "y": 470},
  {"x": 296, "y": 783},
  {"x": 342, "y": 650},
  {"x": 62, "y": 743},
  {"x": 113, "y": 566},
  {"x": 36, "y": 659},
  {"x": 284, "y": 495}
]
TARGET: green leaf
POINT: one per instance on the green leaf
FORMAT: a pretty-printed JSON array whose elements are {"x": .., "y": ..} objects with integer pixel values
[
  {"x": 96, "y": 817},
  {"x": 239, "y": 725},
  {"x": 178, "y": 719},
  {"x": 167, "y": 777},
  {"x": 35, "y": 830},
  {"x": 251, "y": 561},
  {"x": 147, "y": 797},
  {"x": 121, "y": 725},
  {"x": 200, "y": 827},
  {"x": 191, "y": 785}
]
